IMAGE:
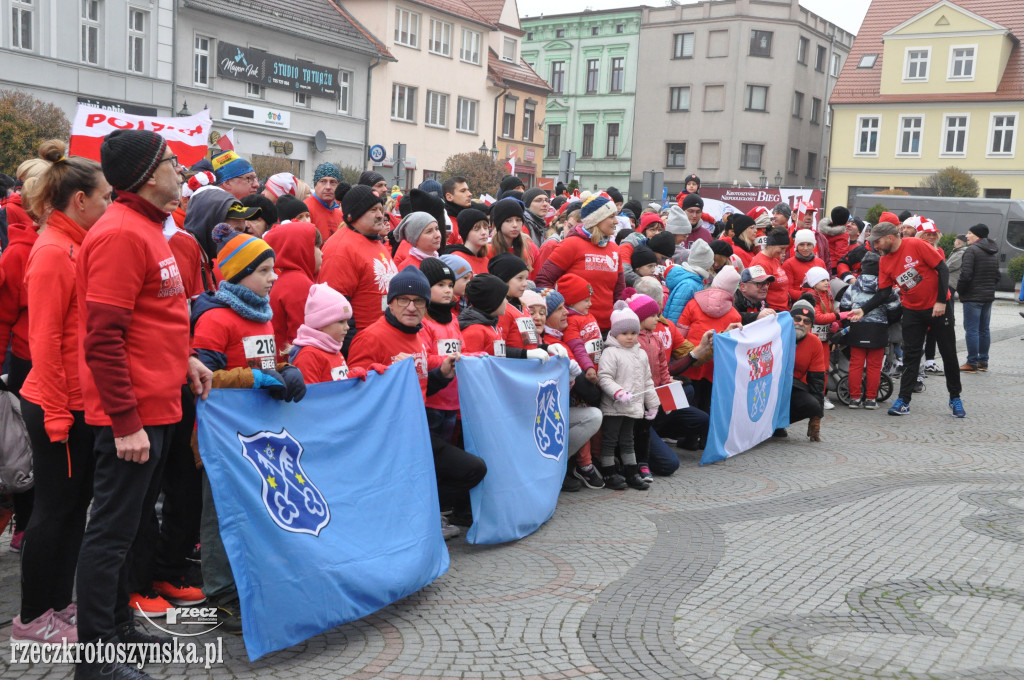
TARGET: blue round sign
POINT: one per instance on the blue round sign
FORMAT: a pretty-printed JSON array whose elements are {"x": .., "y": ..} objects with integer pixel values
[{"x": 377, "y": 153}]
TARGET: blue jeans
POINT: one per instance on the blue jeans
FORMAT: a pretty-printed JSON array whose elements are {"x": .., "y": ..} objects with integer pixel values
[{"x": 977, "y": 316}]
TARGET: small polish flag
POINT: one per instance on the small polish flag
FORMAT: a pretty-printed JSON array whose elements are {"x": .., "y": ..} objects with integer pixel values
[
  {"x": 511, "y": 163},
  {"x": 227, "y": 140},
  {"x": 672, "y": 396}
]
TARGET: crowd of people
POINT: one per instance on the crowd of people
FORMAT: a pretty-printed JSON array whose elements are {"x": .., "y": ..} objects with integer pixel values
[{"x": 132, "y": 286}]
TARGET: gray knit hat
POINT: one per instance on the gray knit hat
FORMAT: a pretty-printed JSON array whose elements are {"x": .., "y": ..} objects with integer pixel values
[{"x": 413, "y": 225}]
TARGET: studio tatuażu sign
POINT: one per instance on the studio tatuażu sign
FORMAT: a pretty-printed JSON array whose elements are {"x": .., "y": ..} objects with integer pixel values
[{"x": 252, "y": 65}]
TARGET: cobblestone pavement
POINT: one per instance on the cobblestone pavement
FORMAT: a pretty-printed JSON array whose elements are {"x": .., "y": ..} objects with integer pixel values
[{"x": 893, "y": 549}]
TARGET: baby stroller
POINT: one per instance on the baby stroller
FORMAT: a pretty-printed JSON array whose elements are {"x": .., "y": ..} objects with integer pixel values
[{"x": 838, "y": 380}]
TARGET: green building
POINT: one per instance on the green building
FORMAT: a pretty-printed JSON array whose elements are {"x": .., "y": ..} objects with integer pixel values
[{"x": 589, "y": 59}]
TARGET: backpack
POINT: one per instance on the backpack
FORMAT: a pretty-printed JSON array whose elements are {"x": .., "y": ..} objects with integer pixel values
[{"x": 15, "y": 449}]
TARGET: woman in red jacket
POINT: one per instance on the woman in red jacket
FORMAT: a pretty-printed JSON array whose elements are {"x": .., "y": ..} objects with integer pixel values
[{"x": 51, "y": 398}]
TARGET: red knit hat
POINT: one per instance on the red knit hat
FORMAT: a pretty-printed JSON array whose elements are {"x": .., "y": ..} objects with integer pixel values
[
  {"x": 647, "y": 219},
  {"x": 573, "y": 288},
  {"x": 889, "y": 217}
]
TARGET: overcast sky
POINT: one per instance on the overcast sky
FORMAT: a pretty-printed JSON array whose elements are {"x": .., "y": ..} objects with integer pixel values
[{"x": 846, "y": 13}]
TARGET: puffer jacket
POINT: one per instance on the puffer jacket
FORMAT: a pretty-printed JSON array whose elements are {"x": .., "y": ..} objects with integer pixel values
[
  {"x": 625, "y": 369},
  {"x": 838, "y": 241},
  {"x": 710, "y": 309},
  {"x": 872, "y": 330},
  {"x": 626, "y": 248},
  {"x": 682, "y": 284},
  {"x": 979, "y": 272},
  {"x": 954, "y": 262}
]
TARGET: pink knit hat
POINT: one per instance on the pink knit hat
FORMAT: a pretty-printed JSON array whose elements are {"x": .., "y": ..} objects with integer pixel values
[
  {"x": 623, "y": 320},
  {"x": 643, "y": 306},
  {"x": 531, "y": 298},
  {"x": 727, "y": 279},
  {"x": 324, "y": 306}
]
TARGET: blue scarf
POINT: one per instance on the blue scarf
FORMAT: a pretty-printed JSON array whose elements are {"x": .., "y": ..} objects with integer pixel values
[
  {"x": 582, "y": 231},
  {"x": 244, "y": 302}
]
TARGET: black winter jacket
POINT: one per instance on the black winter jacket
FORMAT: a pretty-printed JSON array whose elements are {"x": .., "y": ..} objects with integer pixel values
[{"x": 979, "y": 272}]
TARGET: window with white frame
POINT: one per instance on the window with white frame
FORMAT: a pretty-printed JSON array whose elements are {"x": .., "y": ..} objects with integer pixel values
[
  {"x": 917, "y": 63},
  {"x": 954, "y": 135},
  {"x": 437, "y": 109},
  {"x": 137, "y": 40},
  {"x": 558, "y": 77},
  {"x": 22, "y": 20},
  {"x": 508, "y": 49},
  {"x": 682, "y": 46},
  {"x": 750, "y": 156},
  {"x": 465, "y": 119},
  {"x": 757, "y": 98},
  {"x": 612, "y": 148},
  {"x": 508, "y": 118},
  {"x": 470, "y": 51},
  {"x": 440, "y": 37},
  {"x": 201, "y": 61},
  {"x": 618, "y": 74},
  {"x": 867, "y": 135},
  {"x": 675, "y": 155},
  {"x": 529, "y": 118},
  {"x": 407, "y": 28},
  {"x": 961, "y": 63},
  {"x": 90, "y": 31},
  {"x": 253, "y": 90},
  {"x": 403, "y": 103},
  {"x": 345, "y": 92},
  {"x": 303, "y": 99},
  {"x": 679, "y": 98},
  {"x": 1003, "y": 134},
  {"x": 837, "y": 62},
  {"x": 910, "y": 136}
]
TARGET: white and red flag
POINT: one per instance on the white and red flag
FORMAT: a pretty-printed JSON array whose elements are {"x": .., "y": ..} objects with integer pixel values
[
  {"x": 672, "y": 396},
  {"x": 186, "y": 136}
]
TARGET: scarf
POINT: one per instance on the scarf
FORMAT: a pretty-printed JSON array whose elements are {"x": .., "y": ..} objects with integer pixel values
[
  {"x": 313, "y": 337},
  {"x": 439, "y": 312},
  {"x": 582, "y": 232},
  {"x": 244, "y": 302},
  {"x": 392, "y": 320},
  {"x": 548, "y": 330},
  {"x": 416, "y": 252},
  {"x": 804, "y": 259},
  {"x": 326, "y": 207}
]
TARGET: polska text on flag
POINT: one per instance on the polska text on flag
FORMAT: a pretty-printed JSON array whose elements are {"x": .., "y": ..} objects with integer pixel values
[{"x": 186, "y": 137}]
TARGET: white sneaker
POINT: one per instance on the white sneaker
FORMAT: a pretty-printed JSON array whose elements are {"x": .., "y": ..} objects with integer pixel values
[{"x": 828, "y": 404}]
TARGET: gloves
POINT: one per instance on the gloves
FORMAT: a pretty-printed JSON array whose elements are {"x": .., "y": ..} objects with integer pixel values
[
  {"x": 295, "y": 386},
  {"x": 650, "y": 413},
  {"x": 358, "y": 372},
  {"x": 623, "y": 396},
  {"x": 835, "y": 326},
  {"x": 270, "y": 380},
  {"x": 537, "y": 354},
  {"x": 379, "y": 368},
  {"x": 574, "y": 369},
  {"x": 557, "y": 350},
  {"x": 843, "y": 316}
]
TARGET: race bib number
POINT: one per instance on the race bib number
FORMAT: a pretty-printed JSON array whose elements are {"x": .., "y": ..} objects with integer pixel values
[
  {"x": 908, "y": 279},
  {"x": 260, "y": 351},
  {"x": 499, "y": 348},
  {"x": 821, "y": 330},
  {"x": 448, "y": 346},
  {"x": 761, "y": 241},
  {"x": 527, "y": 329},
  {"x": 339, "y": 372},
  {"x": 594, "y": 348}
]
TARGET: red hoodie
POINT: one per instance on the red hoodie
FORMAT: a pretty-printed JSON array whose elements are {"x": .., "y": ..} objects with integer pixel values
[
  {"x": 294, "y": 245},
  {"x": 22, "y": 234},
  {"x": 711, "y": 308}
]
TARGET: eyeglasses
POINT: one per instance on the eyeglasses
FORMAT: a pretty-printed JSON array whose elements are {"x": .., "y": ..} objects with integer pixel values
[
  {"x": 172, "y": 159},
  {"x": 404, "y": 301},
  {"x": 803, "y": 320}
]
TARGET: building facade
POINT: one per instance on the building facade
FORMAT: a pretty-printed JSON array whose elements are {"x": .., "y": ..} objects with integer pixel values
[
  {"x": 590, "y": 63},
  {"x": 735, "y": 91},
  {"x": 930, "y": 85}
]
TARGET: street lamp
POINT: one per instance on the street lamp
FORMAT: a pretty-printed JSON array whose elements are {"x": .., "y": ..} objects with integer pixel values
[
  {"x": 778, "y": 178},
  {"x": 483, "y": 147},
  {"x": 764, "y": 179},
  {"x": 184, "y": 113},
  {"x": 494, "y": 153}
]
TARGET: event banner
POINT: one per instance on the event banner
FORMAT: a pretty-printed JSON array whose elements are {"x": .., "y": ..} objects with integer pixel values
[
  {"x": 186, "y": 136},
  {"x": 746, "y": 199},
  {"x": 753, "y": 381},
  {"x": 328, "y": 507},
  {"x": 515, "y": 415}
]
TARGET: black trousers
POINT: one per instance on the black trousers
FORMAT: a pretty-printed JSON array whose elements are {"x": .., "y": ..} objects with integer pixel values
[
  {"x": 123, "y": 494},
  {"x": 63, "y": 489},
  {"x": 804, "y": 405},
  {"x": 917, "y": 323},
  {"x": 457, "y": 472}
]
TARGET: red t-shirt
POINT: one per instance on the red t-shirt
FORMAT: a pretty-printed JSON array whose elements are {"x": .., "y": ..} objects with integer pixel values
[
  {"x": 441, "y": 340},
  {"x": 912, "y": 270},
  {"x": 518, "y": 328},
  {"x": 360, "y": 269},
  {"x": 483, "y": 338},
  {"x": 810, "y": 358},
  {"x": 325, "y": 219},
  {"x": 245, "y": 343},
  {"x": 318, "y": 366},
  {"x": 669, "y": 337},
  {"x": 381, "y": 343},
  {"x": 778, "y": 290},
  {"x": 600, "y": 267}
]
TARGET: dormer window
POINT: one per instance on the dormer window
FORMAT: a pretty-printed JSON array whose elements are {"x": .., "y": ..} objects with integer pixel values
[
  {"x": 961, "y": 63},
  {"x": 917, "y": 63}
]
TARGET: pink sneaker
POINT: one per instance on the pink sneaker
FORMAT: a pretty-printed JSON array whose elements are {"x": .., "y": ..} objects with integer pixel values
[
  {"x": 16, "y": 540},
  {"x": 68, "y": 615},
  {"x": 48, "y": 629}
]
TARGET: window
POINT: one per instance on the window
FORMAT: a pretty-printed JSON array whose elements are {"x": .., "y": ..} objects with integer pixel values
[
  {"x": 21, "y": 24},
  {"x": 760, "y": 43},
  {"x": 403, "y": 103},
  {"x": 815, "y": 111},
  {"x": 253, "y": 90},
  {"x": 828, "y": 115},
  {"x": 710, "y": 155},
  {"x": 613, "y": 140},
  {"x": 618, "y": 74},
  {"x": 837, "y": 63},
  {"x": 470, "y": 46},
  {"x": 812, "y": 165},
  {"x": 440, "y": 37},
  {"x": 801, "y": 50},
  {"x": 437, "y": 109},
  {"x": 718, "y": 44},
  {"x": 819, "y": 59},
  {"x": 961, "y": 63},
  {"x": 91, "y": 31},
  {"x": 588, "y": 140},
  {"x": 559, "y": 32},
  {"x": 620, "y": 28},
  {"x": 435, "y": 175},
  {"x": 750, "y": 156},
  {"x": 798, "y": 104},
  {"x": 714, "y": 97},
  {"x": 757, "y": 98},
  {"x": 917, "y": 64},
  {"x": 1015, "y": 233},
  {"x": 529, "y": 116},
  {"x": 201, "y": 62},
  {"x": 407, "y": 28},
  {"x": 954, "y": 137},
  {"x": 997, "y": 193},
  {"x": 529, "y": 35},
  {"x": 345, "y": 92},
  {"x": 508, "y": 119},
  {"x": 508, "y": 49},
  {"x": 910, "y": 136},
  {"x": 554, "y": 140},
  {"x": 675, "y": 155},
  {"x": 679, "y": 99},
  {"x": 558, "y": 76},
  {"x": 682, "y": 46},
  {"x": 867, "y": 136},
  {"x": 592, "y": 74},
  {"x": 867, "y": 61},
  {"x": 594, "y": 30},
  {"x": 302, "y": 99},
  {"x": 465, "y": 121},
  {"x": 1003, "y": 135},
  {"x": 794, "y": 158},
  {"x": 136, "y": 40}
]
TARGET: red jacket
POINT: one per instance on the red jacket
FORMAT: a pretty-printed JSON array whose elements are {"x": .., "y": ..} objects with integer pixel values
[
  {"x": 22, "y": 234},
  {"x": 796, "y": 270},
  {"x": 318, "y": 366},
  {"x": 651, "y": 345},
  {"x": 710, "y": 309},
  {"x": 381, "y": 343},
  {"x": 326, "y": 219},
  {"x": 600, "y": 267},
  {"x": 838, "y": 242},
  {"x": 53, "y": 382},
  {"x": 518, "y": 328},
  {"x": 359, "y": 268},
  {"x": 294, "y": 247}
]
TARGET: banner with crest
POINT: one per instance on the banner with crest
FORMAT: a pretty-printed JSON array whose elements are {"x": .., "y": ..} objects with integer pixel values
[
  {"x": 515, "y": 415},
  {"x": 752, "y": 384}
]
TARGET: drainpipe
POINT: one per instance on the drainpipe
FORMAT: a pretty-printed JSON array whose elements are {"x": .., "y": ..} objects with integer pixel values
[
  {"x": 174, "y": 59},
  {"x": 494, "y": 128},
  {"x": 366, "y": 128},
  {"x": 824, "y": 113}
]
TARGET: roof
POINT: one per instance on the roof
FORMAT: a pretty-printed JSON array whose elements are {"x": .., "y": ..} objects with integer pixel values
[
  {"x": 317, "y": 20},
  {"x": 584, "y": 15},
  {"x": 464, "y": 9},
  {"x": 489, "y": 9},
  {"x": 859, "y": 85},
  {"x": 510, "y": 74},
  {"x": 381, "y": 48}
]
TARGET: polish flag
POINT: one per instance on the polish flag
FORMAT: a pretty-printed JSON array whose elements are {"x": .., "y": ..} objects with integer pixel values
[
  {"x": 672, "y": 396},
  {"x": 227, "y": 140},
  {"x": 511, "y": 163},
  {"x": 185, "y": 136}
]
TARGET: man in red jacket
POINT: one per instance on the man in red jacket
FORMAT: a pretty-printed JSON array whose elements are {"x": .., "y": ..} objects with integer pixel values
[
  {"x": 324, "y": 211},
  {"x": 134, "y": 330}
]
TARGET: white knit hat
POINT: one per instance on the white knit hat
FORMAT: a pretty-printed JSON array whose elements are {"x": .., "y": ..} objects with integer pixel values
[{"x": 623, "y": 320}]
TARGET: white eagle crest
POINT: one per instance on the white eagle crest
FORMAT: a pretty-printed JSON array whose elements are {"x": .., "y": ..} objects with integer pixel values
[{"x": 383, "y": 270}]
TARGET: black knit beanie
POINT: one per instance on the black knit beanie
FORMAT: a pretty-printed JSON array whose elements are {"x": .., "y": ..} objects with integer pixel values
[
  {"x": 486, "y": 292},
  {"x": 436, "y": 270},
  {"x": 358, "y": 201},
  {"x": 663, "y": 243},
  {"x": 369, "y": 178},
  {"x": 508, "y": 183},
  {"x": 642, "y": 255},
  {"x": 740, "y": 223},
  {"x": 778, "y": 237},
  {"x": 504, "y": 209},
  {"x": 130, "y": 157},
  {"x": 467, "y": 219},
  {"x": 506, "y": 266},
  {"x": 722, "y": 248},
  {"x": 288, "y": 207}
]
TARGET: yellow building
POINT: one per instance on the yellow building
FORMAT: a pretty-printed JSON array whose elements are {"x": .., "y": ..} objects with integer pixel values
[{"x": 929, "y": 85}]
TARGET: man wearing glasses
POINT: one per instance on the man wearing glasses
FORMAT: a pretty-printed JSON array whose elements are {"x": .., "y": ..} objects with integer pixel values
[
  {"x": 750, "y": 296},
  {"x": 235, "y": 175},
  {"x": 809, "y": 367}
]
